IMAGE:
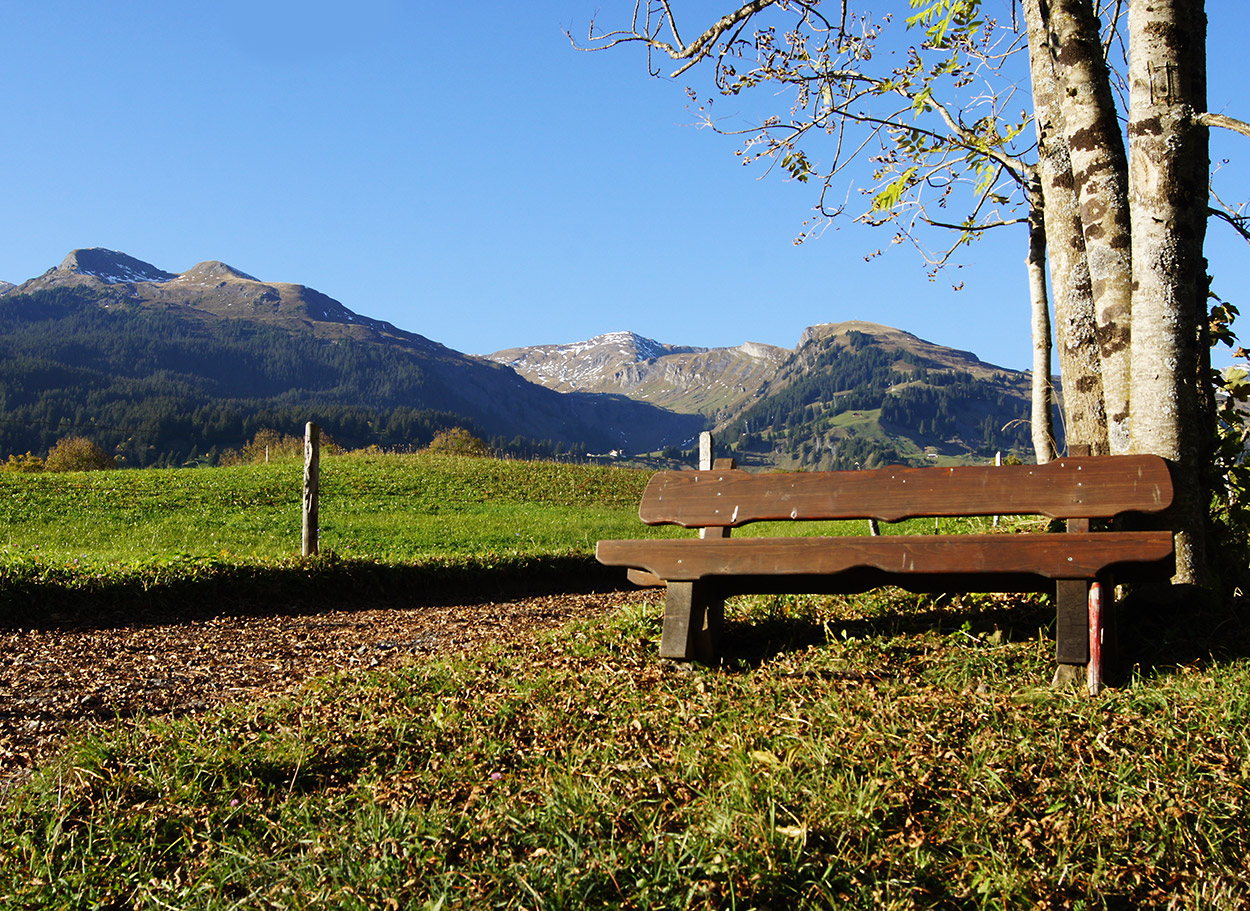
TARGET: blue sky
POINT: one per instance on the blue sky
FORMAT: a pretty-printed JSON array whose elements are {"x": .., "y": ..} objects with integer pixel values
[{"x": 459, "y": 170}]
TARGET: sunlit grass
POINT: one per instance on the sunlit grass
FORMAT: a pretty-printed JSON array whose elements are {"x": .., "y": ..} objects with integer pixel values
[
  {"x": 906, "y": 758},
  {"x": 883, "y": 751},
  {"x": 392, "y": 507}
]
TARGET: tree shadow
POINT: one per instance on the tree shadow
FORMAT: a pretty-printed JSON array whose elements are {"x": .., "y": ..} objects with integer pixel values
[
  {"x": 1165, "y": 628},
  {"x": 299, "y": 588}
]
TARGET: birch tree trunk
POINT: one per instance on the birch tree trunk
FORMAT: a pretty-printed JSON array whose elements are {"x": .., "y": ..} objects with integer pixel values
[
  {"x": 1075, "y": 330},
  {"x": 1100, "y": 178},
  {"x": 1041, "y": 420},
  {"x": 1169, "y": 173}
]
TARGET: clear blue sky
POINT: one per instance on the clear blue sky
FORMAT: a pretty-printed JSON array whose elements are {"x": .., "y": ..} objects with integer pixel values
[{"x": 459, "y": 170}]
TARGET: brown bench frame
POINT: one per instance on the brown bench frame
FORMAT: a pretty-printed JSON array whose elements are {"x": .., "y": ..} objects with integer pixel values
[{"x": 1077, "y": 568}]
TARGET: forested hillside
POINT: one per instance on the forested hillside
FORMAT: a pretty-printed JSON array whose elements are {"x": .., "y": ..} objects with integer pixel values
[
  {"x": 851, "y": 399},
  {"x": 160, "y": 387},
  {"x": 173, "y": 368}
]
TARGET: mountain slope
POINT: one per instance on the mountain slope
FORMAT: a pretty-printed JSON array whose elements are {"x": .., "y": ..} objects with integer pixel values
[
  {"x": 714, "y": 382},
  {"x": 107, "y": 340},
  {"x": 215, "y": 289},
  {"x": 157, "y": 363},
  {"x": 859, "y": 394},
  {"x": 849, "y": 394}
]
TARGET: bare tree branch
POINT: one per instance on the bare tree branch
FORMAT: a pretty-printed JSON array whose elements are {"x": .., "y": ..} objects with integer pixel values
[
  {"x": 693, "y": 52},
  {"x": 1238, "y": 223},
  {"x": 1228, "y": 123},
  {"x": 984, "y": 226}
]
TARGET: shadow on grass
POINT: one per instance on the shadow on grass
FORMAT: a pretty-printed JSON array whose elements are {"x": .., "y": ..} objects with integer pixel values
[
  {"x": 755, "y": 641},
  {"x": 299, "y": 587},
  {"x": 1155, "y": 634},
  {"x": 1180, "y": 627}
]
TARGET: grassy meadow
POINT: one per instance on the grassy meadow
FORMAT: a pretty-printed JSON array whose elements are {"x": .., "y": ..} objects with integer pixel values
[
  {"x": 394, "y": 508},
  {"x": 885, "y": 751}
]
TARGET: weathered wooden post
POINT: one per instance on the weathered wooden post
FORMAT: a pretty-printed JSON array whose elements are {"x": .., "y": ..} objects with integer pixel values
[
  {"x": 998, "y": 463},
  {"x": 698, "y": 612},
  {"x": 1072, "y": 614},
  {"x": 312, "y": 484},
  {"x": 705, "y": 451}
]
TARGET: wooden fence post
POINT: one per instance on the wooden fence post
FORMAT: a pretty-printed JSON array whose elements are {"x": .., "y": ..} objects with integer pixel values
[
  {"x": 312, "y": 485},
  {"x": 705, "y": 451},
  {"x": 998, "y": 463}
]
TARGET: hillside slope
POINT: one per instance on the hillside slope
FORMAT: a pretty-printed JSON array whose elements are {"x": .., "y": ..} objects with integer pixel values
[
  {"x": 715, "y": 382},
  {"x": 859, "y": 394},
  {"x": 849, "y": 394},
  {"x": 196, "y": 359},
  {"x": 163, "y": 365}
]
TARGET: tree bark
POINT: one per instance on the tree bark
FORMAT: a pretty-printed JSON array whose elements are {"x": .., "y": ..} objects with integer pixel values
[
  {"x": 1041, "y": 421},
  {"x": 1169, "y": 174},
  {"x": 1100, "y": 175},
  {"x": 1085, "y": 419}
]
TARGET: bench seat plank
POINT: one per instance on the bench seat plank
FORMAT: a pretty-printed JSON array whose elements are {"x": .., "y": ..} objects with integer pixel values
[
  {"x": 1064, "y": 488},
  {"x": 1062, "y": 556}
]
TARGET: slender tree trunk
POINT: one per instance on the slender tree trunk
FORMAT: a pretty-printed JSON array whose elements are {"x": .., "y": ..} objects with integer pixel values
[
  {"x": 1169, "y": 173},
  {"x": 1042, "y": 423},
  {"x": 1085, "y": 419},
  {"x": 1100, "y": 175}
]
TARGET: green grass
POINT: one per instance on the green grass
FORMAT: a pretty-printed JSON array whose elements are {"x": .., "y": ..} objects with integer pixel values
[
  {"x": 887, "y": 751},
  {"x": 398, "y": 508},
  {"x": 907, "y": 759},
  {"x": 121, "y": 541},
  {"x": 113, "y": 531}
]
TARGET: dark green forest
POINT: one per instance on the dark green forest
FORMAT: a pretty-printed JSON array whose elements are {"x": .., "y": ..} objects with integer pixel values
[
  {"x": 158, "y": 388},
  {"x": 167, "y": 385},
  {"x": 916, "y": 399}
]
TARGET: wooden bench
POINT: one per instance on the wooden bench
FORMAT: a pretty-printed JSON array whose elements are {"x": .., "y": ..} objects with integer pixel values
[{"x": 1075, "y": 567}]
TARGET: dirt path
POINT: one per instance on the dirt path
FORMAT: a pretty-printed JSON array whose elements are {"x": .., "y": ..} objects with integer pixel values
[{"x": 52, "y": 681}]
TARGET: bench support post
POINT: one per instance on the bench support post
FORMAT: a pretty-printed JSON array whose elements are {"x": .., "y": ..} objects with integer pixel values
[
  {"x": 1072, "y": 604},
  {"x": 1072, "y": 621},
  {"x": 1086, "y": 645},
  {"x": 692, "y": 622}
]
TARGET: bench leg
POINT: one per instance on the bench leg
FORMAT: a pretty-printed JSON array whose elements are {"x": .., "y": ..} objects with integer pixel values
[
  {"x": 692, "y": 622},
  {"x": 1085, "y": 633},
  {"x": 1094, "y": 669},
  {"x": 1072, "y": 621}
]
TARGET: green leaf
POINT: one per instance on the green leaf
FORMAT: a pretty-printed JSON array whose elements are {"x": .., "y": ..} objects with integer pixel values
[{"x": 889, "y": 197}]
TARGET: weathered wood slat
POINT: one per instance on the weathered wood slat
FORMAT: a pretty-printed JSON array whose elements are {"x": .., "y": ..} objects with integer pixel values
[
  {"x": 1070, "y": 556},
  {"x": 1071, "y": 487}
]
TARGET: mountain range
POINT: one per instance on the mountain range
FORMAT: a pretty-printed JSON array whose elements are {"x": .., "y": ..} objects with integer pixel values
[{"x": 167, "y": 367}]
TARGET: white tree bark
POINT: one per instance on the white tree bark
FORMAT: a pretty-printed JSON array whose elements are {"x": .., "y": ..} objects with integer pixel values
[
  {"x": 1169, "y": 172},
  {"x": 1100, "y": 175},
  {"x": 1085, "y": 419},
  {"x": 1042, "y": 424}
]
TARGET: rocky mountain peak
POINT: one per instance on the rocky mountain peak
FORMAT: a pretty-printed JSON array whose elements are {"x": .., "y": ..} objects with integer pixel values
[
  {"x": 628, "y": 345},
  {"x": 215, "y": 271},
  {"x": 682, "y": 378},
  {"x": 762, "y": 352},
  {"x": 112, "y": 267}
]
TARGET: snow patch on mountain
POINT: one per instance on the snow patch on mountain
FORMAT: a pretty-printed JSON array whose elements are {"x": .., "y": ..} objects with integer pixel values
[
  {"x": 579, "y": 365},
  {"x": 112, "y": 267},
  {"x": 629, "y": 345}
]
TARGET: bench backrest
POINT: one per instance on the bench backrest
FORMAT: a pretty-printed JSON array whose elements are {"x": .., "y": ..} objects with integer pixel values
[{"x": 1101, "y": 486}]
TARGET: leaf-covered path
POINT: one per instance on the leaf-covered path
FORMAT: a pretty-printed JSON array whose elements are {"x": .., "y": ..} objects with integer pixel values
[{"x": 56, "y": 680}]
